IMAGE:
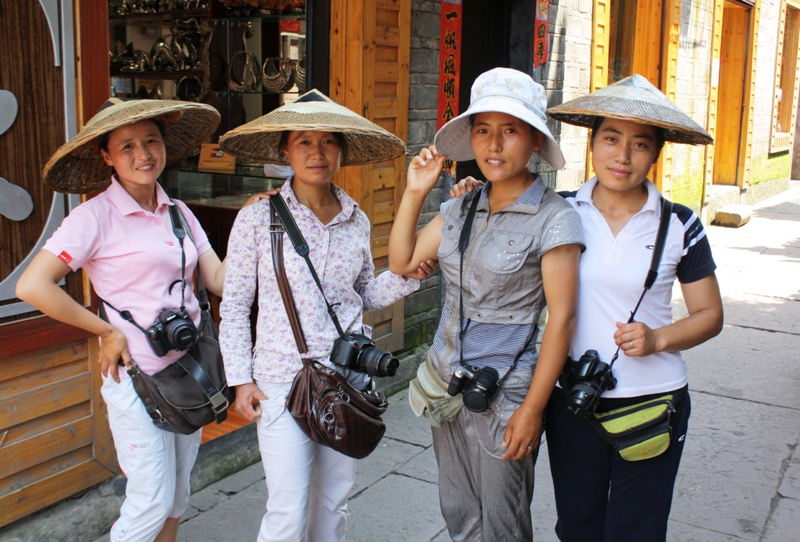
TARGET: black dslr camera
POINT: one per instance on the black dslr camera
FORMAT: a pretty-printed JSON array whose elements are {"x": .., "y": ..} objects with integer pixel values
[
  {"x": 584, "y": 381},
  {"x": 172, "y": 330},
  {"x": 478, "y": 387},
  {"x": 360, "y": 353}
]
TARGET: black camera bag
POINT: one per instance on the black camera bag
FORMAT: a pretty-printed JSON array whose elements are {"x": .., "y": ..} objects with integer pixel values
[{"x": 193, "y": 391}]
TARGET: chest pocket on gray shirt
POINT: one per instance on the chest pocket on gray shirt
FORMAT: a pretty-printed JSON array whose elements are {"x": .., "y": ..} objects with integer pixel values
[{"x": 508, "y": 251}]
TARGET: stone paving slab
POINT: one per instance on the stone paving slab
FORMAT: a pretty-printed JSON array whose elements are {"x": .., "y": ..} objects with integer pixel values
[
  {"x": 390, "y": 455},
  {"x": 748, "y": 364},
  {"x": 790, "y": 485},
  {"x": 732, "y": 464},
  {"x": 396, "y": 509},
  {"x": 401, "y": 424},
  {"x": 767, "y": 313},
  {"x": 236, "y": 519},
  {"x": 680, "y": 532},
  {"x": 422, "y": 466},
  {"x": 783, "y": 525}
]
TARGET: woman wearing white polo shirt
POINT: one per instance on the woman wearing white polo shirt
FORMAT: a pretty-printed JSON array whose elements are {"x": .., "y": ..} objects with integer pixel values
[
  {"x": 599, "y": 495},
  {"x": 123, "y": 238}
]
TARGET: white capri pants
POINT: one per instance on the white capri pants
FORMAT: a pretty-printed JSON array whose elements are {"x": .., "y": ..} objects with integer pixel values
[
  {"x": 307, "y": 483},
  {"x": 158, "y": 465}
]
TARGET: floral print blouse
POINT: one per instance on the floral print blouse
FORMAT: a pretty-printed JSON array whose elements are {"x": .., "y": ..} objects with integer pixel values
[{"x": 340, "y": 252}]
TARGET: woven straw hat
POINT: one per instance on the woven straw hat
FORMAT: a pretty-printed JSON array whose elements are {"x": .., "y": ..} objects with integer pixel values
[
  {"x": 634, "y": 99},
  {"x": 257, "y": 141},
  {"x": 501, "y": 90},
  {"x": 78, "y": 167}
]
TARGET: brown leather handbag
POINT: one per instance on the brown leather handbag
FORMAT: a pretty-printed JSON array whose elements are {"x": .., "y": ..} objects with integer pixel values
[{"x": 324, "y": 404}]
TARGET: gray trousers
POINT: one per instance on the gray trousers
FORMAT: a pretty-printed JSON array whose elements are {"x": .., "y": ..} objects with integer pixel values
[{"x": 485, "y": 498}]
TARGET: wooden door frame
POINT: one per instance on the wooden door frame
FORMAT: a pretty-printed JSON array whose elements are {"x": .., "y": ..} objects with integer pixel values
[{"x": 667, "y": 80}]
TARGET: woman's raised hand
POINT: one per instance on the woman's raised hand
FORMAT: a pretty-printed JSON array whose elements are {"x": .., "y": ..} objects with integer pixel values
[
  {"x": 467, "y": 184},
  {"x": 424, "y": 170}
]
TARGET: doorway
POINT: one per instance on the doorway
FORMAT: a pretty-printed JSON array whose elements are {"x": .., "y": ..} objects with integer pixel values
[
  {"x": 485, "y": 44},
  {"x": 732, "y": 69}
]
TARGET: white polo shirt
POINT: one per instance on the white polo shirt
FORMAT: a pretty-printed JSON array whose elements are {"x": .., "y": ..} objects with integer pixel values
[{"x": 612, "y": 275}]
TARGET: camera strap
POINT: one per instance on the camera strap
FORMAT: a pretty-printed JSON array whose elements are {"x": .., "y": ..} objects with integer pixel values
[
  {"x": 279, "y": 210},
  {"x": 463, "y": 244},
  {"x": 655, "y": 262},
  {"x": 180, "y": 228}
]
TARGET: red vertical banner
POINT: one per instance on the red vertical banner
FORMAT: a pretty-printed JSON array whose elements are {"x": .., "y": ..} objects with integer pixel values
[
  {"x": 449, "y": 67},
  {"x": 540, "y": 29}
]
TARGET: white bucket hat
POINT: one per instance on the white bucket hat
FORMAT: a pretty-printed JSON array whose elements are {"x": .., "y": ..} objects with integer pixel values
[{"x": 500, "y": 90}]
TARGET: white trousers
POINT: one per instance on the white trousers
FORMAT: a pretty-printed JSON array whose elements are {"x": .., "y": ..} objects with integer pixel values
[
  {"x": 158, "y": 465},
  {"x": 307, "y": 483}
]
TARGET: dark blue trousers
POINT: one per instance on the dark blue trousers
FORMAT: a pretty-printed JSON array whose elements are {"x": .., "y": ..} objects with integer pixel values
[{"x": 599, "y": 495}]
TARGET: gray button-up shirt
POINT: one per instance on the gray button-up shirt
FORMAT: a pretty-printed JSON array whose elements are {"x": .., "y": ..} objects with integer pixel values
[{"x": 502, "y": 284}]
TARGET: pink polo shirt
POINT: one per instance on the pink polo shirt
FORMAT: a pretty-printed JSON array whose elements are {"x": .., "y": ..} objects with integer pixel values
[{"x": 132, "y": 256}]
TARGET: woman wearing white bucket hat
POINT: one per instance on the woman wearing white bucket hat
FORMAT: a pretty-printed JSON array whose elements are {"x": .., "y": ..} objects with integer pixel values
[
  {"x": 501, "y": 251},
  {"x": 602, "y": 494},
  {"x": 124, "y": 240}
]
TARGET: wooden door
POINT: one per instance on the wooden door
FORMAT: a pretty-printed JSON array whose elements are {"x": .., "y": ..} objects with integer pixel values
[
  {"x": 53, "y": 430},
  {"x": 369, "y": 73},
  {"x": 732, "y": 64},
  {"x": 637, "y": 36}
]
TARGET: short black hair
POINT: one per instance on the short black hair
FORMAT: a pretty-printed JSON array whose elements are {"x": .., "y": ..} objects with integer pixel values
[
  {"x": 102, "y": 140},
  {"x": 338, "y": 136},
  {"x": 659, "y": 136}
]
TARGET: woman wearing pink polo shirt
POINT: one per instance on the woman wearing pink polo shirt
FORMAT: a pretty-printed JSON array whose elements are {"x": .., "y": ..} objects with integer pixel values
[{"x": 123, "y": 238}]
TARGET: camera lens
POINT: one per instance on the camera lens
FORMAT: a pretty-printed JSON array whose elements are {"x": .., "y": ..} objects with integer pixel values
[
  {"x": 480, "y": 393},
  {"x": 181, "y": 334},
  {"x": 376, "y": 362},
  {"x": 582, "y": 400}
]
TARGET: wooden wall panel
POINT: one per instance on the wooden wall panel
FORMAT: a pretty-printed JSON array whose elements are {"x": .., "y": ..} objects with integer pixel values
[
  {"x": 49, "y": 417},
  {"x": 374, "y": 37}
]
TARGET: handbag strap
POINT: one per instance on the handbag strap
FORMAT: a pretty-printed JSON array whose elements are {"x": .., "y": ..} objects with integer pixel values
[
  {"x": 301, "y": 247},
  {"x": 655, "y": 262},
  {"x": 276, "y": 230}
]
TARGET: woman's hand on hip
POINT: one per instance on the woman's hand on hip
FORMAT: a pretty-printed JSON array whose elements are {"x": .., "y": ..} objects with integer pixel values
[
  {"x": 424, "y": 170},
  {"x": 523, "y": 433},
  {"x": 113, "y": 347},
  {"x": 636, "y": 339},
  {"x": 247, "y": 401}
]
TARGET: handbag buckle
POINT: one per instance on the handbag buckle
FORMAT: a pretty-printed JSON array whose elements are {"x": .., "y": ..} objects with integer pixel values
[
  {"x": 276, "y": 228},
  {"x": 218, "y": 403}
]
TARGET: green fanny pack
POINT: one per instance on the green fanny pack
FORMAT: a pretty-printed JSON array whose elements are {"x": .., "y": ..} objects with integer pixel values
[{"x": 638, "y": 432}]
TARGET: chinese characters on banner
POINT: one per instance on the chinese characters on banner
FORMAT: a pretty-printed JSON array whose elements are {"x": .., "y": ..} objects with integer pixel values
[
  {"x": 449, "y": 68},
  {"x": 540, "y": 26}
]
